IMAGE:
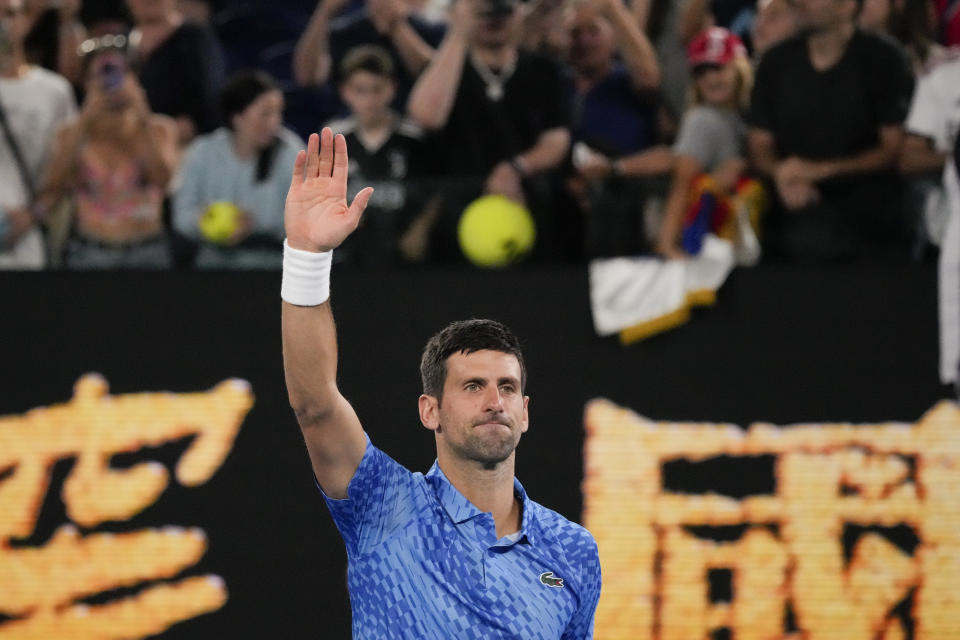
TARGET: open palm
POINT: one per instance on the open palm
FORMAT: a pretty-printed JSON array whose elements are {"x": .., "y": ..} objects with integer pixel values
[{"x": 316, "y": 216}]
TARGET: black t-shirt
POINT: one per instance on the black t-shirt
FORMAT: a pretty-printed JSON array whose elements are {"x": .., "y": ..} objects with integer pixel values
[
  {"x": 836, "y": 113},
  {"x": 481, "y": 132},
  {"x": 395, "y": 170},
  {"x": 832, "y": 113},
  {"x": 182, "y": 77}
]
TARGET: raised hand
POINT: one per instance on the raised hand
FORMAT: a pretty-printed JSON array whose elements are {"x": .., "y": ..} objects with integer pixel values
[{"x": 316, "y": 215}]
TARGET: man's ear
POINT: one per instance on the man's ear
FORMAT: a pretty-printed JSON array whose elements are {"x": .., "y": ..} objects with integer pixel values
[
  {"x": 429, "y": 412},
  {"x": 526, "y": 415}
]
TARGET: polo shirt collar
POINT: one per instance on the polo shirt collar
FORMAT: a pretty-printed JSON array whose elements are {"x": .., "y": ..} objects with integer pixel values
[{"x": 459, "y": 509}]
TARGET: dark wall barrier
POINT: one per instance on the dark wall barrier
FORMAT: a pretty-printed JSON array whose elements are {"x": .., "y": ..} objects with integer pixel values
[{"x": 227, "y": 537}]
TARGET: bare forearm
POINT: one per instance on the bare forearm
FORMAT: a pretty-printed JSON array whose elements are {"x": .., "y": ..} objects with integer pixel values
[
  {"x": 651, "y": 162},
  {"x": 694, "y": 18},
  {"x": 311, "y": 57},
  {"x": 413, "y": 50},
  {"x": 310, "y": 360},
  {"x": 919, "y": 156},
  {"x": 548, "y": 152},
  {"x": 870, "y": 161},
  {"x": 435, "y": 91},
  {"x": 638, "y": 53},
  {"x": 763, "y": 155},
  {"x": 641, "y": 13}
]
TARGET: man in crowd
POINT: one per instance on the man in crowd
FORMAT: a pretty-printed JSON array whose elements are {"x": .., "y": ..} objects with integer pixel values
[
  {"x": 500, "y": 114},
  {"x": 618, "y": 125},
  {"x": 826, "y": 128}
]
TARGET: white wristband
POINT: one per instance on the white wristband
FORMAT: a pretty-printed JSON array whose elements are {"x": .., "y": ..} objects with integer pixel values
[{"x": 306, "y": 276}]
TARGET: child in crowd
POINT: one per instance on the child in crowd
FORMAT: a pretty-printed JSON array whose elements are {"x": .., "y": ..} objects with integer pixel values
[
  {"x": 115, "y": 161},
  {"x": 708, "y": 190},
  {"x": 385, "y": 152},
  {"x": 234, "y": 180}
]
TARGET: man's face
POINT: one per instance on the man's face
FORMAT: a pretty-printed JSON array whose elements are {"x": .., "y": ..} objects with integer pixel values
[
  {"x": 495, "y": 30},
  {"x": 13, "y": 20},
  {"x": 368, "y": 95},
  {"x": 591, "y": 40},
  {"x": 820, "y": 15},
  {"x": 483, "y": 411}
]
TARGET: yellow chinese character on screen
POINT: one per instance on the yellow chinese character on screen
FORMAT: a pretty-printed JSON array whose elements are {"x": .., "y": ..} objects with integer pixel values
[{"x": 42, "y": 588}]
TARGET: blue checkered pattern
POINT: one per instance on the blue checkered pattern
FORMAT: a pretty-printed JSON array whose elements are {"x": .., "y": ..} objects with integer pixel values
[{"x": 424, "y": 563}]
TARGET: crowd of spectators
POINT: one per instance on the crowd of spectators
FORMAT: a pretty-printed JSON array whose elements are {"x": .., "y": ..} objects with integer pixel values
[{"x": 160, "y": 134}]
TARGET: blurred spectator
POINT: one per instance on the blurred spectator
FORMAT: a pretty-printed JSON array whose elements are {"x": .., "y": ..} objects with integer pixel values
[
  {"x": 661, "y": 21},
  {"x": 386, "y": 152},
  {"x": 932, "y": 126},
  {"x": 55, "y": 33},
  {"x": 244, "y": 170},
  {"x": 33, "y": 103},
  {"x": 398, "y": 26},
  {"x": 711, "y": 147},
  {"x": 776, "y": 20},
  {"x": 616, "y": 127},
  {"x": 180, "y": 65},
  {"x": 198, "y": 11},
  {"x": 615, "y": 104},
  {"x": 734, "y": 15},
  {"x": 826, "y": 127},
  {"x": 949, "y": 276},
  {"x": 948, "y": 22},
  {"x": 115, "y": 160},
  {"x": 501, "y": 115},
  {"x": 545, "y": 28},
  {"x": 911, "y": 22}
]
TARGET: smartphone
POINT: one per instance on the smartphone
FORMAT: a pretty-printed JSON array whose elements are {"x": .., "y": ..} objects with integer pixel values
[{"x": 112, "y": 73}]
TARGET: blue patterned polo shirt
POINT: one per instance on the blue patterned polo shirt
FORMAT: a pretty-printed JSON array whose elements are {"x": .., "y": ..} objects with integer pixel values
[{"x": 424, "y": 563}]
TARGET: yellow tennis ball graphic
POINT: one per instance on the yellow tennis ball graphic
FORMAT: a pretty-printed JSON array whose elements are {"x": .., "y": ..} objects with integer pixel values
[
  {"x": 495, "y": 231},
  {"x": 219, "y": 221}
]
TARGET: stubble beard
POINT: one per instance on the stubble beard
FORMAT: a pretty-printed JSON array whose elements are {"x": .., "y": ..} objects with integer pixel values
[{"x": 489, "y": 449}]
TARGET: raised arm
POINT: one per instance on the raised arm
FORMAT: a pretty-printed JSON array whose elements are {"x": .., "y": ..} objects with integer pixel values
[
  {"x": 637, "y": 52},
  {"x": 311, "y": 57},
  {"x": 317, "y": 219},
  {"x": 435, "y": 91}
]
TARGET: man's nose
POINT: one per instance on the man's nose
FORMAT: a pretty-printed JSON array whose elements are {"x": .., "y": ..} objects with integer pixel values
[{"x": 493, "y": 399}]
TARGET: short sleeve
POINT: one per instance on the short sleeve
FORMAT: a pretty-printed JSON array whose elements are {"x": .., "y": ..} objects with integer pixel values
[
  {"x": 379, "y": 500},
  {"x": 762, "y": 114},
  {"x": 580, "y": 626},
  {"x": 928, "y": 111},
  {"x": 892, "y": 84},
  {"x": 700, "y": 138}
]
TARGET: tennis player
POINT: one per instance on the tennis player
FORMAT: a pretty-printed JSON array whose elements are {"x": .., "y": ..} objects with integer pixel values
[{"x": 458, "y": 552}]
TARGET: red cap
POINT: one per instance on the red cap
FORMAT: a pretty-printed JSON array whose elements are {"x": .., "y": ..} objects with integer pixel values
[{"x": 715, "y": 45}]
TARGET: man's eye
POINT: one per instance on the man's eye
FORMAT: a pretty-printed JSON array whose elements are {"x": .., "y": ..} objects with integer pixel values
[
  {"x": 473, "y": 386},
  {"x": 507, "y": 388}
]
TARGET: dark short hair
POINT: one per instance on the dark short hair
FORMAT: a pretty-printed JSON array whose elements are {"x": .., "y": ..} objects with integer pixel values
[
  {"x": 367, "y": 57},
  {"x": 241, "y": 90},
  {"x": 465, "y": 336}
]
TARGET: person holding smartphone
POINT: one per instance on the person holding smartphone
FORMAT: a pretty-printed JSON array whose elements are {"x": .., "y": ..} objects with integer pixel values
[{"x": 115, "y": 160}]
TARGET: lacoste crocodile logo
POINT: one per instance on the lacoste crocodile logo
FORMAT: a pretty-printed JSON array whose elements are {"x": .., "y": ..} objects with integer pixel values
[{"x": 550, "y": 580}]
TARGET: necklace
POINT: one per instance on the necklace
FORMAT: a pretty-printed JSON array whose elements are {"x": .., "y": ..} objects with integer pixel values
[{"x": 495, "y": 80}]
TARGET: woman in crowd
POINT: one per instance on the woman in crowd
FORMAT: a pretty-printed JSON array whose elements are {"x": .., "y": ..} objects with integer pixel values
[
  {"x": 113, "y": 163},
  {"x": 911, "y": 23},
  {"x": 710, "y": 148},
  {"x": 234, "y": 180}
]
